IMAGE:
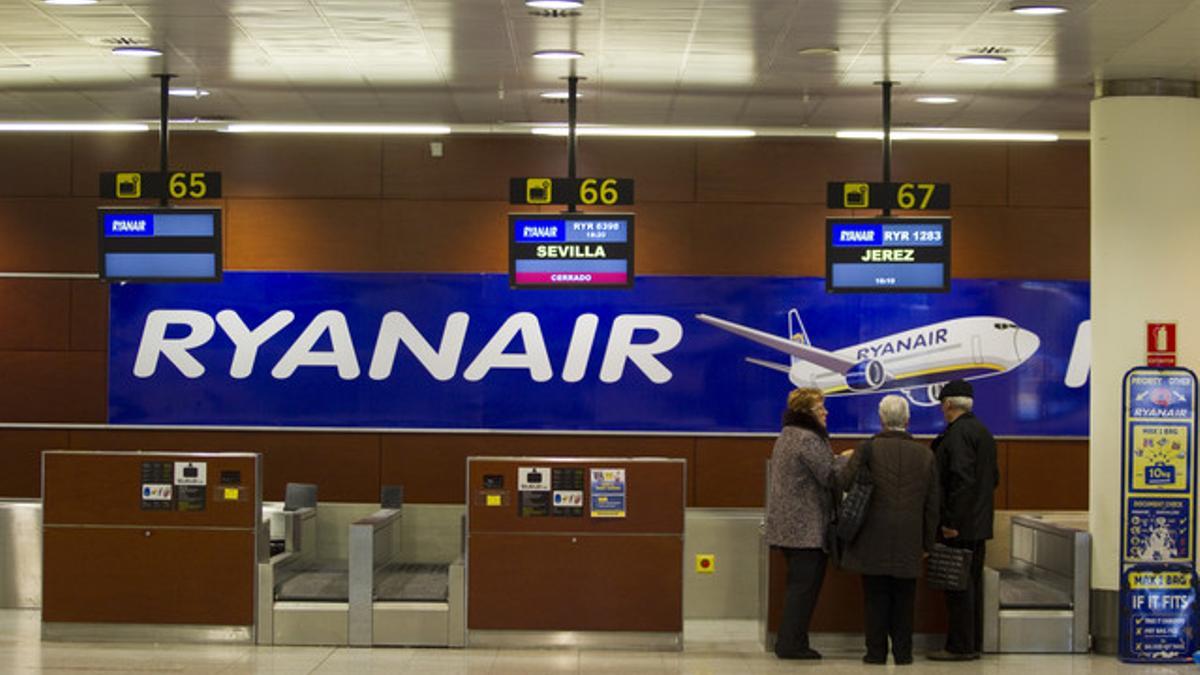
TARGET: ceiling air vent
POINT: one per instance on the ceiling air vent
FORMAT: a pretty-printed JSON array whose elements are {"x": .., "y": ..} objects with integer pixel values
[
  {"x": 124, "y": 42},
  {"x": 554, "y": 13},
  {"x": 990, "y": 51}
]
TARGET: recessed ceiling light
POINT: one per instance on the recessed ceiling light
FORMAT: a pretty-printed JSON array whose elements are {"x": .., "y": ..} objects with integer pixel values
[
  {"x": 817, "y": 51},
  {"x": 70, "y": 2},
  {"x": 143, "y": 52},
  {"x": 1039, "y": 10},
  {"x": 189, "y": 92},
  {"x": 558, "y": 54},
  {"x": 554, "y": 4},
  {"x": 559, "y": 95},
  {"x": 937, "y": 100},
  {"x": 982, "y": 60}
]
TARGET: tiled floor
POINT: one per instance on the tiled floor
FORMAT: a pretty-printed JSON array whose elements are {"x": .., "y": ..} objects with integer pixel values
[{"x": 712, "y": 647}]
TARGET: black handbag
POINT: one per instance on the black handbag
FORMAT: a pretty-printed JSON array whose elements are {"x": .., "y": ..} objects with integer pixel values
[
  {"x": 948, "y": 568},
  {"x": 853, "y": 510}
]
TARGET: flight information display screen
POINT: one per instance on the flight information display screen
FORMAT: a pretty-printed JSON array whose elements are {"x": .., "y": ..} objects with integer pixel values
[
  {"x": 887, "y": 255},
  {"x": 570, "y": 250},
  {"x": 160, "y": 244}
]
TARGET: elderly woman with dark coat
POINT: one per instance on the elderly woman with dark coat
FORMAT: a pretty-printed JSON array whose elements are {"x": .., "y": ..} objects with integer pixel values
[
  {"x": 799, "y": 509},
  {"x": 899, "y": 528}
]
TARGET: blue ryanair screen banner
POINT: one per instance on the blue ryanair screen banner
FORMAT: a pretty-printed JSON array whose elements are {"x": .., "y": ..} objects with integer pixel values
[{"x": 672, "y": 354}]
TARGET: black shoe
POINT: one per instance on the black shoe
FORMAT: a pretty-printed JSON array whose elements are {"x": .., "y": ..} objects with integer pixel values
[
  {"x": 943, "y": 655},
  {"x": 801, "y": 655},
  {"x": 902, "y": 660},
  {"x": 874, "y": 660}
]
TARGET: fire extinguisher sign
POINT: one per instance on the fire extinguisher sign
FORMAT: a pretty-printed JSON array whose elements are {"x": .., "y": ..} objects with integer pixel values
[{"x": 1160, "y": 344}]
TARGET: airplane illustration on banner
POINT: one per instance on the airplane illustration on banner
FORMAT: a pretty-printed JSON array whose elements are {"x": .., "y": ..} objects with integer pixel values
[{"x": 916, "y": 362}]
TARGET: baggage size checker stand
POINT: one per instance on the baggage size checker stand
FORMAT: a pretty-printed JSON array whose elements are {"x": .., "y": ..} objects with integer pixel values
[{"x": 1158, "y": 500}]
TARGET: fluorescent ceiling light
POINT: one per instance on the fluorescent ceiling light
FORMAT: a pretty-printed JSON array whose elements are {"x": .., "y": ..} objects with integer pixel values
[
  {"x": 654, "y": 132},
  {"x": 419, "y": 129},
  {"x": 554, "y": 4},
  {"x": 937, "y": 100},
  {"x": 948, "y": 135},
  {"x": 1039, "y": 10},
  {"x": 982, "y": 60},
  {"x": 189, "y": 92},
  {"x": 828, "y": 50},
  {"x": 558, "y": 54},
  {"x": 70, "y": 2},
  {"x": 74, "y": 126},
  {"x": 143, "y": 52},
  {"x": 559, "y": 95}
]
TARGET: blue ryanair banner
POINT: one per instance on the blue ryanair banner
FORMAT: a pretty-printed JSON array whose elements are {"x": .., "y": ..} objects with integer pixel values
[{"x": 672, "y": 354}]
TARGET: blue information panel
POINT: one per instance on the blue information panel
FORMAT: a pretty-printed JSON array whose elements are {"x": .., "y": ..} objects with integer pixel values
[
  {"x": 887, "y": 255},
  {"x": 160, "y": 244},
  {"x": 1158, "y": 495},
  {"x": 570, "y": 250}
]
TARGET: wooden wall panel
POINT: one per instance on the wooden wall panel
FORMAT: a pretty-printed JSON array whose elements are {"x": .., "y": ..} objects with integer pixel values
[
  {"x": 36, "y": 314},
  {"x": 472, "y": 169},
  {"x": 1050, "y": 175},
  {"x": 303, "y": 234},
  {"x": 48, "y": 235},
  {"x": 470, "y": 236},
  {"x": 42, "y": 169},
  {"x": 62, "y": 387},
  {"x": 1050, "y": 244},
  {"x": 731, "y": 239},
  {"x": 779, "y": 171},
  {"x": 1001, "y": 494},
  {"x": 1048, "y": 475},
  {"x": 731, "y": 472},
  {"x": 93, "y": 154},
  {"x": 284, "y": 166},
  {"x": 89, "y": 316},
  {"x": 21, "y": 459}
]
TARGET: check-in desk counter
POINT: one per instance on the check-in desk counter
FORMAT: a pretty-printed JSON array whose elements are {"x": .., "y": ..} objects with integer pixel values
[
  {"x": 582, "y": 552},
  {"x": 150, "y": 546}
]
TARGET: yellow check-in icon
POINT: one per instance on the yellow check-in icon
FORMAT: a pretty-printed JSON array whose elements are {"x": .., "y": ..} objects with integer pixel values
[
  {"x": 539, "y": 190},
  {"x": 856, "y": 195}
]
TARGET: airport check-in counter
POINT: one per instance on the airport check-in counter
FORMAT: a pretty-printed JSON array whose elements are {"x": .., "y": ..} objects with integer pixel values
[
  {"x": 369, "y": 598},
  {"x": 152, "y": 546},
  {"x": 575, "y": 552}
]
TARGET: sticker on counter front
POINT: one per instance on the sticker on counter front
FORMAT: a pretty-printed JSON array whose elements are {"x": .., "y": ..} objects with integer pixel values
[
  {"x": 156, "y": 493},
  {"x": 533, "y": 479},
  {"x": 191, "y": 473},
  {"x": 1159, "y": 454},
  {"x": 568, "y": 498},
  {"x": 1158, "y": 529},
  {"x": 494, "y": 500},
  {"x": 608, "y": 480},
  {"x": 608, "y": 506},
  {"x": 231, "y": 494}
]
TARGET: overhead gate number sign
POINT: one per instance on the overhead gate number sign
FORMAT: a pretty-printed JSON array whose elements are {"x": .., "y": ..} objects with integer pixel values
[
  {"x": 1158, "y": 497},
  {"x": 570, "y": 250},
  {"x": 914, "y": 196},
  {"x": 600, "y": 191},
  {"x": 149, "y": 185}
]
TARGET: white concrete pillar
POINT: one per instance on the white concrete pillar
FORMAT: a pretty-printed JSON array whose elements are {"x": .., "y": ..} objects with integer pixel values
[{"x": 1145, "y": 266}]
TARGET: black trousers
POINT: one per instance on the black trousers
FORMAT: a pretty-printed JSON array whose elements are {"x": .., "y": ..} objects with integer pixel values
[
  {"x": 806, "y": 572},
  {"x": 965, "y": 608},
  {"x": 888, "y": 612}
]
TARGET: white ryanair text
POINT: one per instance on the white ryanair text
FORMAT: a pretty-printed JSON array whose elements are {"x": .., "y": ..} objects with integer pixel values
[{"x": 441, "y": 363}]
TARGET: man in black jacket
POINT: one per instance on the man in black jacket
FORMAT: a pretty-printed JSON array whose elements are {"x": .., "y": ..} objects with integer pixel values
[{"x": 966, "y": 460}]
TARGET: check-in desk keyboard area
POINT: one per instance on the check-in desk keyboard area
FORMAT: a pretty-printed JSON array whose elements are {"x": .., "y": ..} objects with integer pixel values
[{"x": 370, "y": 598}]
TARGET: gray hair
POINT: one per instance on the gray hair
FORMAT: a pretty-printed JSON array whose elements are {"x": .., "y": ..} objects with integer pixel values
[
  {"x": 893, "y": 412},
  {"x": 963, "y": 403}
]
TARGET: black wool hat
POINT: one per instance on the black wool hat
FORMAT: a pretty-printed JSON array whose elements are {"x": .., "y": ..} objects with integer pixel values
[{"x": 957, "y": 388}]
